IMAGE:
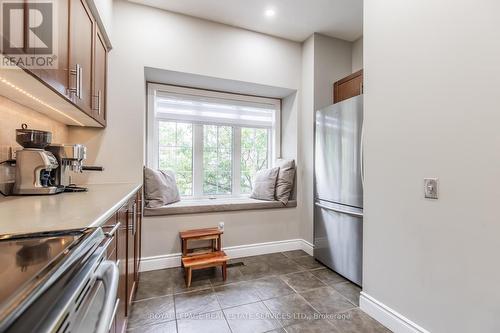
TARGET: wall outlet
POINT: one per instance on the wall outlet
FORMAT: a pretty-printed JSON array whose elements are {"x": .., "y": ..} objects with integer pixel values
[
  {"x": 221, "y": 226},
  {"x": 431, "y": 188}
]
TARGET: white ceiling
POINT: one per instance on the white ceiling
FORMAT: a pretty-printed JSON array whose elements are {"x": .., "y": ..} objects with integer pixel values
[{"x": 295, "y": 19}]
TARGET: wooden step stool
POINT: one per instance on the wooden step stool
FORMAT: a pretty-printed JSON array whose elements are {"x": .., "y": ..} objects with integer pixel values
[{"x": 205, "y": 257}]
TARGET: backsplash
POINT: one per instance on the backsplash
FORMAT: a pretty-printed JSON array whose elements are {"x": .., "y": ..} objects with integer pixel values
[{"x": 12, "y": 115}]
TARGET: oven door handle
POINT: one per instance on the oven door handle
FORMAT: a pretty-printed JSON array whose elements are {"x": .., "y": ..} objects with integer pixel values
[{"x": 108, "y": 274}]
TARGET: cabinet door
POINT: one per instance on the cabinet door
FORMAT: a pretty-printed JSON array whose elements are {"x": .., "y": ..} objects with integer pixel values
[
  {"x": 137, "y": 251},
  {"x": 348, "y": 87},
  {"x": 57, "y": 77},
  {"x": 121, "y": 248},
  {"x": 81, "y": 26},
  {"x": 100, "y": 76},
  {"x": 17, "y": 38},
  {"x": 131, "y": 231}
]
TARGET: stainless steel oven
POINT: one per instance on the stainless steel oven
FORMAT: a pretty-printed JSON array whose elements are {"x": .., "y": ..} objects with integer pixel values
[{"x": 58, "y": 282}]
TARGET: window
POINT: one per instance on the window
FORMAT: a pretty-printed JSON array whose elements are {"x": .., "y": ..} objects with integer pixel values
[
  {"x": 254, "y": 155},
  {"x": 214, "y": 142},
  {"x": 175, "y": 149},
  {"x": 217, "y": 160}
]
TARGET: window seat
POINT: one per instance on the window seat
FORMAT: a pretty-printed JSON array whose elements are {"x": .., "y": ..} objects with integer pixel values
[{"x": 215, "y": 205}]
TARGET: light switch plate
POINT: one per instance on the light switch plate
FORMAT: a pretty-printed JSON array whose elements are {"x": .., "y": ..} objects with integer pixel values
[{"x": 431, "y": 188}]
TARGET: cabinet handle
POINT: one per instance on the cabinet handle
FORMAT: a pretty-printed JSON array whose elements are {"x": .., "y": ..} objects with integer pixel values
[
  {"x": 98, "y": 102},
  {"x": 135, "y": 218},
  {"x": 133, "y": 215},
  {"x": 80, "y": 77},
  {"x": 78, "y": 73},
  {"x": 111, "y": 233}
]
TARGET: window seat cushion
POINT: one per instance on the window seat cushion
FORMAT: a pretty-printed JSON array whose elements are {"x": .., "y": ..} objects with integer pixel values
[{"x": 215, "y": 205}]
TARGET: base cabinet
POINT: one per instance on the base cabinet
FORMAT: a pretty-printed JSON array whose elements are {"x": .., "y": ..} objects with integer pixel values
[{"x": 124, "y": 228}]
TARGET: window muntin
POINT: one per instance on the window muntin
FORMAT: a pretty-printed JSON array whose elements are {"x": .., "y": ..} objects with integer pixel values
[{"x": 221, "y": 139}]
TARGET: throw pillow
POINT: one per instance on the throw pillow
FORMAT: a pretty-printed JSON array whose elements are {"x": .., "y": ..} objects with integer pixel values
[
  {"x": 160, "y": 188},
  {"x": 284, "y": 183},
  {"x": 264, "y": 185}
]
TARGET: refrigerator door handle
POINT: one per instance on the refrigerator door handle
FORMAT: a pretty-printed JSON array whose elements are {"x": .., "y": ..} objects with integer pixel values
[{"x": 337, "y": 210}]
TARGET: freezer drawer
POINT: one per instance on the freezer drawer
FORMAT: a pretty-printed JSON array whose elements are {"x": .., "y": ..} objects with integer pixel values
[{"x": 338, "y": 239}]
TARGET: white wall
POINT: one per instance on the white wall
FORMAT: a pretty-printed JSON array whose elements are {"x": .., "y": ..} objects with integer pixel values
[
  {"x": 105, "y": 9},
  {"x": 147, "y": 37},
  {"x": 193, "y": 46},
  {"x": 304, "y": 175},
  {"x": 332, "y": 62},
  {"x": 357, "y": 55},
  {"x": 324, "y": 61},
  {"x": 432, "y": 109}
]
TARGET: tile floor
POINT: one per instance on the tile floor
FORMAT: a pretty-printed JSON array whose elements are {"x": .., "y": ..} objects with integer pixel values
[{"x": 279, "y": 292}]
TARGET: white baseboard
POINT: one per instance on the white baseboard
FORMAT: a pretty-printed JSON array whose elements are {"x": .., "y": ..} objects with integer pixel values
[
  {"x": 391, "y": 319},
  {"x": 160, "y": 262},
  {"x": 240, "y": 251},
  {"x": 307, "y": 247}
]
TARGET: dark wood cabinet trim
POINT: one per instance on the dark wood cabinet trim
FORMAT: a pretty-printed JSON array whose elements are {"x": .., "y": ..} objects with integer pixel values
[
  {"x": 336, "y": 85},
  {"x": 99, "y": 38},
  {"x": 350, "y": 77}
]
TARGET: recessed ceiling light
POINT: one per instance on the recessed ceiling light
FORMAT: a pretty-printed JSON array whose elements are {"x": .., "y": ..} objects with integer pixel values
[{"x": 270, "y": 12}]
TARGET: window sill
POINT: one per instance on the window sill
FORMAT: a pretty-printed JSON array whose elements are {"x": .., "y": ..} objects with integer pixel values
[{"x": 216, "y": 205}]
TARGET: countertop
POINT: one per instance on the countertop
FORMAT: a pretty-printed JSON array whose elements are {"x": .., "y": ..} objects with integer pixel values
[{"x": 64, "y": 211}]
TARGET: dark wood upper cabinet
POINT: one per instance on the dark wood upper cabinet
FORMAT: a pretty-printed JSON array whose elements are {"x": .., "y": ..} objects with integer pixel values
[
  {"x": 80, "y": 51},
  {"x": 81, "y": 41},
  {"x": 57, "y": 78},
  {"x": 100, "y": 78},
  {"x": 348, "y": 87}
]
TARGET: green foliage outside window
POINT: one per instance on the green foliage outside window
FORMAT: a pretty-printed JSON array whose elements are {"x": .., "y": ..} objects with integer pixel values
[
  {"x": 217, "y": 159},
  {"x": 176, "y": 154},
  {"x": 254, "y": 155}
]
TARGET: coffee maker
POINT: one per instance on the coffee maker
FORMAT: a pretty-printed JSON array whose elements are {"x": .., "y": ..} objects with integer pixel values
[
  {"x": 70, "y": 159},
  {"x": 34, "y": 164}
]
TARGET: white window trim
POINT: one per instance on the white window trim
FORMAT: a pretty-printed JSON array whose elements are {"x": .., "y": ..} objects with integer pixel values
[{"x": 152, "y": 134}]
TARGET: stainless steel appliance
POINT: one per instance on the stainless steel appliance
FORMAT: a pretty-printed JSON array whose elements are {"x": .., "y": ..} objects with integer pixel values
[
  {"x": 57, "y": 282},
  {"x": 33, "y": 169},
  {"x": 70, "y": 159},
  {"x": 338, "y": 201},
  {"x": 34, "y": 164}
]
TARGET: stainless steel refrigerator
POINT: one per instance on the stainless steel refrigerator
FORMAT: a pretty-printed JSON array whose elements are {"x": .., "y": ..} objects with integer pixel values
[{"x": 338, "y": 201}]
